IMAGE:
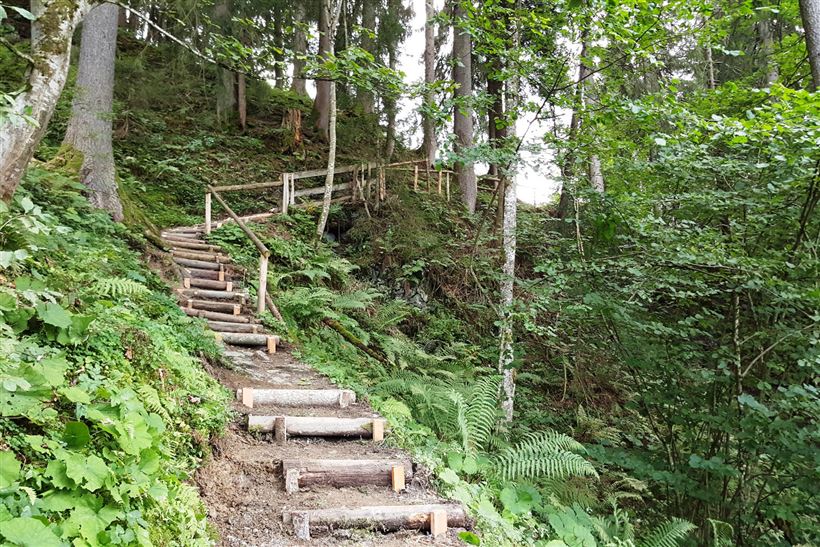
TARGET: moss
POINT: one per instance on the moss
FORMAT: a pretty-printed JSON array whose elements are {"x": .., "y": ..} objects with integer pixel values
[{"x": 55, "y": 42}]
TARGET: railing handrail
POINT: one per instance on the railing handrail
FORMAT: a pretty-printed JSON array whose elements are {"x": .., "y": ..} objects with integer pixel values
[{"x": 261, "y": 247}]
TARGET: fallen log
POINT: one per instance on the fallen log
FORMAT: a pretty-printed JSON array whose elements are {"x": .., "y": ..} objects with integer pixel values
[
  {"x": 222, "y": 307},
  {"x": 350, "y": 337},
  {"x": 311, "y": 426},
  {"x": 227, "y": 326},
  {"x": 242, "y": 339},
  {"x": 339, "y": 473},
  {"x": 300, "y": 397},
  {"x": 201, "y": 264},
  {"x": 216, "y": 295},
  {"x": 384, "y": 518},
  {"x": 216, "y": 316}
]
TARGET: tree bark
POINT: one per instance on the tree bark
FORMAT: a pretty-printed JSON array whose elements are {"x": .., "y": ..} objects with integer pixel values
[
  {"x": 90, "y": 126},
  {"x": 226, "y": 80},
  {"x": 390, "y": 107},
  {"x": 810, "y": 14},
  {"x": 596, "y": 176},
  {"x": 299, "y": 49},
  {"x": 428, "y": 122},
  {"x": 565, "y": 204},
  {"x": 321, "y": 104},
  {"x": 51, "y": 35},
  {"x": 369, "y": 45},
  {"x": 463, "y": 114},
  {"x": 764, "y": 33},
  {"x": 242, "y": 101},
  {"x": 278, "y": 42}
]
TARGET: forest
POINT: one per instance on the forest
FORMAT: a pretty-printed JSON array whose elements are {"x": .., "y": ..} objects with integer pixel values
[{"x": 561, "y": 257}]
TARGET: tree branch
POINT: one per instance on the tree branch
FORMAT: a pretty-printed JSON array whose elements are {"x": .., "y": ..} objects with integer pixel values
[{"x": 16, "y": 51}]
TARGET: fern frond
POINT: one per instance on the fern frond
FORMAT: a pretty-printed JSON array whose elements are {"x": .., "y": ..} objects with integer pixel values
[
  {"x": 668, "y": 534},
  {"x": 116, "y": 287},
  {"x": 481, "y": 412},
  {"x": 546, "y": 454}
]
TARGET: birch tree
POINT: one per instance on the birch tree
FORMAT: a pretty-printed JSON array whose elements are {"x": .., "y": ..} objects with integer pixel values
[
  {"x": 89, "y": 129},
  {"x": 21, "y": 132}
]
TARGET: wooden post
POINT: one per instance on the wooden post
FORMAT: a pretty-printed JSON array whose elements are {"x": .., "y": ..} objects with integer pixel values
[
  {"x": 448, "y": 186},
  {"x": 416, "y": 179},
  {"x": 285, "y": 194},
  {"x": 301, "y": 525},
  {"x": 440, "y": 175},
  {"x": 397, "y": 477},
  {"x": 292, "y": 481},
  {"x": 438, "y": 523},
  {"x": 263, "y": 284},
  {"x": 271, "y": 344},
  {"x": 378, "y": 430},
  {"x": 439, "y": 186},
  {"x": 207, "y": 212},
  {"x": 247, "y": 397}
]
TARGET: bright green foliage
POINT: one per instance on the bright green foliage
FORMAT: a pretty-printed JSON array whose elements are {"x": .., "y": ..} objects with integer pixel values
[
  {"x": 544, "y": 454},
  {"x": 105, "y": 409}
]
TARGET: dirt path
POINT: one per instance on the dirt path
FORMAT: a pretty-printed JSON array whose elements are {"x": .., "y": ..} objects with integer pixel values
[{"x": 243, "y": 485}]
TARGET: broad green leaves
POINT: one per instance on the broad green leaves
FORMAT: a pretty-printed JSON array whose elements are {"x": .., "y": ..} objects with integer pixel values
[
  {"x": 9, "y": 469},
  {"x": 29, "y": 532}
]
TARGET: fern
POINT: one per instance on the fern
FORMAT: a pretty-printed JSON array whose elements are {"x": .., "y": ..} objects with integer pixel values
[
  {"x": 117, "y": 287},
  {"x": 481, "y": 413},
  {"x": 668, "y": 534},
  {"x": 722, "y": 533},
  {"x": 546, "y": 454}
]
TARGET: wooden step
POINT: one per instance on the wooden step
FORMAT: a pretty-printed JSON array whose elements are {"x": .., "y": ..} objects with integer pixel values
[
  {"x": 227, "y": 326},
  {"x": 313, "y": 426},
  {"x": 341, "y": 473},
  {"x": 196, "y": 255},
  {"x": 174, "y": 239},
  {"x": 216, "y": 316},
  {"x": 243, "y": 339},
  {"x": 197, "y": 283},
  {"x": 341, "y": 398},
  {"x": 196, "y": 245},
  {"x": 214, "y": 275},
  {"x": 200, "y": 264},
  {"x": 211, "y": 295},
  {"x": 385, "y": 518},
  {"x": 210, "y": 305}
]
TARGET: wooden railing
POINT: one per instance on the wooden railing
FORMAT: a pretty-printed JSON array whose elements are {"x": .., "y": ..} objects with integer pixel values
[{"x": 360, "y": 188}]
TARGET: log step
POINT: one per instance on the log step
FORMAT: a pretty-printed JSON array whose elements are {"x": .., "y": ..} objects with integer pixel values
[
  {"x": 341, "y": 473},
  {"x": 310, "y": 426},
  {"x": 174, "y": 239},
  {"x": 197, "y": 255},
  {"x": 221, "y": 307},
  {"x": 341, "y": 398},
  {"x": 227, "y": 326},
  {"x": 243, "y": 339},
  {"x": 216, "y": 295},
  {"x": 205, "y": 274},
  {"x": 216, "y": 316},
  {"x": 195, "y": 282},
  {"x": 385, "y": 518},
  {"x": 195, "y": 245},
  {"x": 201, "y": 264}
]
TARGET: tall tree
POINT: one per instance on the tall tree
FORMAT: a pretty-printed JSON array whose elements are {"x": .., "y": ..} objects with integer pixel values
[
  {"x": 89, "y": 129},
  {"x": 810, "y": 14},
  {"x": 463, "y": 114},
  {"x": 428, "y": 122},
  {"x": 321, "y": 104},
  {"x": 368, "y": 44},
  {"x": 51, "y": 33},
  {"x": 299, "y": 49},
  {"x": 226, "y": 79},
  {"x": 765, "y": 31}
]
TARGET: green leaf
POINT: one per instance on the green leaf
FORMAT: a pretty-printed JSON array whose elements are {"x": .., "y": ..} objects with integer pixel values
[
  {"x": 7, "y": 301},
  {"x": 76, "y": 434},
  {"x": 9, "y": 469},
  {"x": 470, "y": 465},
  {"x": 75, "y": 395},
  {"x": 25, "y": 13},
  {"x": 28, "y": 532},
  {"x": 54, "y": 314},
  {"x": 455, "y": 461},
  {"x": 88, "y": 471},
  {"x": 469, "y": 538}
]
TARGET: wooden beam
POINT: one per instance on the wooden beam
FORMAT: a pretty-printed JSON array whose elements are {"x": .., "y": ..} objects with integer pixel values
[
  {"x": 341, "y": 473},
  {"x": 303, "y": 397},
  {"x": 216, "y": 316},
  {"x": 228, "y": 326},
  {"x": 315, "y": 426},
  {"x": 320, "y": 190},
  {"x": 251, "y": 186},
  {"x": 243, "y": 339},
  {"x": 386, "y": 518},
  {"x": 200, "y": 264},
  {"x": 256, "y": 241}
]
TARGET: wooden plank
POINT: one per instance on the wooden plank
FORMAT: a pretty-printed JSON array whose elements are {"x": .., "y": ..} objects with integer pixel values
[
  {"x": 386, "y": 518},
  {"x": 321, "y": 189},
  {"x": 195, "y": 282},
  {"x": 213, "y": 275},
  {"x": 378, "y": 430},
  {"x": 216, "y": 316},
  {"x": 319, "y": 202},
  {"x": 341, "y": 473},
  {"x": 251, "y": 186},
  {"x": 221, "y": 307},
  {"x": 208, "y": 294},
  {"x": 321, "y": 172},
  {"x": 397, "y": 478},
  {"x": 191, "y": 245},
  {"x": 438, "y": 523},
  {"x": 200, "y": 264},
  {"x": 303, "y": 397},
  {"x": 228, "y": 326},
  {"x": 197, "y": 255},
  {"x": 310, "y": 426}
]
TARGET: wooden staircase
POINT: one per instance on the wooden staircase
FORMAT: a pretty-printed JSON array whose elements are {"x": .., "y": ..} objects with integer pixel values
[{"x": 211, "y": 290}]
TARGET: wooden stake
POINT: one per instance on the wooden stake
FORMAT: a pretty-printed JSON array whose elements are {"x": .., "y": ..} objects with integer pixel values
[
  {"x": 247, "y": 396},
  {"x": 285, "y": 194},
  {"x": 439, "y": 185},
  {"x": 280, "y": 432},
  {"x": 221, "y": 275},
  {"x": 301, "y": 525},
  {"x": 416, "y": 178},
  {"x": 208, "y": 213},
  {"x": 271, "y": 344},
  {"x": 438, "y": 523},
  {"x": 397, "y": 477},
  {"x": 263, "y": 284},
  {"x": 186, "y": 282},
  {"x": 292, "y": 481},
  {"x": 228, "y": 286},
  {"x": 440, "y": 174},
  {"x": 378, "y": 430},
  {"x": 448, "y": 186}
]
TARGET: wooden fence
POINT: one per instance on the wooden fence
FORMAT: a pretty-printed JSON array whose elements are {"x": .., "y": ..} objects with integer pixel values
[{"x": 367, "y": 184}]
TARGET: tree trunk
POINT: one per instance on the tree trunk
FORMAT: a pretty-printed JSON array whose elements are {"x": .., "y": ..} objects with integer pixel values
[
  {"x": 331, "y": 18},
  {"x": 299, "y": 49},
  {"x": 278, "y": 42},
  {"x": 89, "y": 129},
  {"x": 711, "y": 83},
  {"x": 226, "y": 84},
  {"x": 565, "y": 204},
  {"x": 810, "y": 13},
  {"x": 429, "y": 77},
  {"x": 51, "y": 36},
  {"x": 463, "y": 115},
  {"x": 242, "y": 101},
  {"x": 764, "y": 33},
  {"x": 390, "y": 107},
  {"x": 369, "y": 45},
  {"x": 321, "y": 104},
  {"x": 596, "y": 176}
]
